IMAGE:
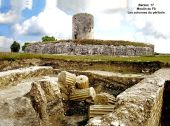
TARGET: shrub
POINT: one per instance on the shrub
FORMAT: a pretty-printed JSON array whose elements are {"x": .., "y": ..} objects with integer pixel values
[
  {"x": 24, "y": 46},
  {"x": 15, "y": 47},
  {"x": 48, "y": 38}
]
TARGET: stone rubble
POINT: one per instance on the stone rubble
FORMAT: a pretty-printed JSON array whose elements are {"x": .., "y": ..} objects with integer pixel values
[{"x": 104, "y": 102}]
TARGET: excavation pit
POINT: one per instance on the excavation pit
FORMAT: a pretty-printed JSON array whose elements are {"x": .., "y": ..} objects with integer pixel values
[
  {"x": 106, "y": 84},
  {"x": 36, "y": 93}
]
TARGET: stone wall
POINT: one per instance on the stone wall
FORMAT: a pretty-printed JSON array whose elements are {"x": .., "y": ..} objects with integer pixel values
[
  {"x": 140, "y": 105},
  {"x": 71, "y": 48}
]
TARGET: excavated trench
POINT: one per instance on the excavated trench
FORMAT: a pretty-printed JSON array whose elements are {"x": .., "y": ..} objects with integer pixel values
[
  {"x": 165, "y": 118},
  {"x": 53, "y": 109},
  {"x": 77, "y": 112},
  {"x": 45, "y": 103}
]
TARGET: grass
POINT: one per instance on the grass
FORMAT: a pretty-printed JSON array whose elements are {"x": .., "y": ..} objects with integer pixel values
[
  {"x": 111, "y": 42},
  {"x": 103, "y": 42},
  {"x": 15, "y": 56}
]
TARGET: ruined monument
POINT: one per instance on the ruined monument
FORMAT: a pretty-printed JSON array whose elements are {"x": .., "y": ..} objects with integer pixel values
[
  {"x": 83, "y": 24},
  {"x": 82, "y": 42}
]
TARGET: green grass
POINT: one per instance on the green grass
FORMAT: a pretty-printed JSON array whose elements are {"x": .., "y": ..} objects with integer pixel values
[
  {"x": 103, "y": 42},
  {"x": 111, "y": 42},
  {"x": 15, "y": 56}
]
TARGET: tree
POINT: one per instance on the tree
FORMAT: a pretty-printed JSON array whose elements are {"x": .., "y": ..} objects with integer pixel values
[
  {"x": 48, "y": 38},
  {"x": 15, "y": 47},
  {"x": 24, "y": 46}
]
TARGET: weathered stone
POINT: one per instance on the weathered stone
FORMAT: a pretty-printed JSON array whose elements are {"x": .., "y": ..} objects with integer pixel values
[
  {"x": 100, "y": 110},
  {"x": 49, "y": 92},
  {"x": 83, "y": 26},
  {"x": 17, "y": 112},
  {"x": 39, "y": 102},
  {"x": 10, "y": 78},
  {"x": 104, "y": 99},
  {"x": 50, "y": 103},
  {"x": 42, "y": 106},
  {"x": 82, "y": 94},
  {"x": 67, "y": 81},
  {"x": 71, "y": 48},
  {"x": 140, "y": 105},
  {"x": 82, "y": 82}
]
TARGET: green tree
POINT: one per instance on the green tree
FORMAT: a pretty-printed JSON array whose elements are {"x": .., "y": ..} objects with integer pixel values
[
  {"x": 48, "y": 38},
  {"x": 24, "y": 46},
  {"x": 15, "y": 47}
]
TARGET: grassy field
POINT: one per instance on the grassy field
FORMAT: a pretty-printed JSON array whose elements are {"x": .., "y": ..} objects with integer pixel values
[
  {"x": 103, "y": 42},
  {"x": 15, "y": 56}
]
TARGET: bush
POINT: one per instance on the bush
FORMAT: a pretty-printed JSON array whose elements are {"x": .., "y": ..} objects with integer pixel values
[
  {"x": 24, "y": 46},
  {"x": 48, "y": 38},
  {"x": 15, "y": 47}
]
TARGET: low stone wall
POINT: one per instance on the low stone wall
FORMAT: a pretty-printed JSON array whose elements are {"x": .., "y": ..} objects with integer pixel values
[
  {"x": 140, "y": 105},
  {"x": 71, "y": 48}
]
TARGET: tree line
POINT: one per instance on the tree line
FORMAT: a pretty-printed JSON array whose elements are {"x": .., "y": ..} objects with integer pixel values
[{"x": 15, "y": 46}]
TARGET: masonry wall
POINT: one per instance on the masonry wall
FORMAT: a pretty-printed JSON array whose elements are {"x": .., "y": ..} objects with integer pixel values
[
  {"x": 71, "y": 48},
  {"x": 140, "y": 105}
]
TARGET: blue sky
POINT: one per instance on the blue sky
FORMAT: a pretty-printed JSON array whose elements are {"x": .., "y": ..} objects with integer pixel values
[{"x": 29, "y": 20}]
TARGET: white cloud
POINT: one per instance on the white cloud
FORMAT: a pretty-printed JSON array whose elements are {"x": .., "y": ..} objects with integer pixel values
[
  {"x": 30, "y": 26},
  {"x": 96, "y": 6},
  {"x": 152, "y": 27},
  {"x": 106, "y": 25},
  {"x": 51, "y": 21},
  {"x": 14, "y": 13},
  {"x": 21, "y": 4},
  {"x": 91, "y": 6},
  {"x": 5, "y": 43},
  {"x": 9, "y": 17}
]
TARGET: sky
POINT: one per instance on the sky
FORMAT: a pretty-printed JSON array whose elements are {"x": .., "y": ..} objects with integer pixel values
[{"x": 29, "y": 20}]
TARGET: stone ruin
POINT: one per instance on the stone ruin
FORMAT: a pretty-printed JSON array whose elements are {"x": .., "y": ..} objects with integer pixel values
[
  {"x": 43, "y": 96},
  {"x": 71, "y": 48},
  {"x": 82, "y": 25},
  {"x": 82, "y": 28}
]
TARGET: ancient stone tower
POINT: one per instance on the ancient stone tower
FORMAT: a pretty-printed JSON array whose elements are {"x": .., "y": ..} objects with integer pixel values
[{"x": 82, "y": 26}]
